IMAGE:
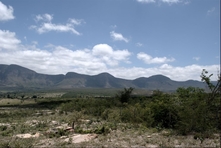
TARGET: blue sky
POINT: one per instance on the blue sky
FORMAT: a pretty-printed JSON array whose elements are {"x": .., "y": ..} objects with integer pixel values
[{"x": 126, "y": 38}]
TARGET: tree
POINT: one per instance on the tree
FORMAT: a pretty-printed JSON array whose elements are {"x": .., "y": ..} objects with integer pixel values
[
  {"x": 215, "y": 89},
  {"x": 124, "y": 95},
  {"x": 215, "y": 93},
  {"x": 198, "y": 110}
]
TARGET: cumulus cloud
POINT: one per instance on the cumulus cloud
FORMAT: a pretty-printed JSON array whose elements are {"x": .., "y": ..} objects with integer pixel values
[
  {"x": 110, "y": 56},
  {"x": 46, "y": 25},
  {"x": 189, "y": 72},
  {"x": 8, "y": 40},
  {"x": 6, "y": 13},
  {"x": 150, "y": 60},
  {"x": 118, "y": 37},
  {"x": 97, "y": 59},
  {"x": 56, "y": 61},
  {"x": 100, "y": 58}
]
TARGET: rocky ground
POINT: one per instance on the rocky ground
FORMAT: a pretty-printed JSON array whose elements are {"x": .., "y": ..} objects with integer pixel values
[
  {"x": 122, "y": 135},
  {"x": 28, "y": 127}
]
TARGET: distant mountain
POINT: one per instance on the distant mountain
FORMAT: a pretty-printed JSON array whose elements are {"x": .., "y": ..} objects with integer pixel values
[
  {"x": 20, "y": 77},
  {"x": 164, "y": 83},
  {"x": 17, "y": 77}
]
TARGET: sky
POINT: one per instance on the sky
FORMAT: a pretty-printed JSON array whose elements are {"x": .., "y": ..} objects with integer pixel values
[{"x": 126, "y": 38}]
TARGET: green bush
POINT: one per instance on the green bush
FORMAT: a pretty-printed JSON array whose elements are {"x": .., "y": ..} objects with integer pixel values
[{"x": 3, "y": 127}]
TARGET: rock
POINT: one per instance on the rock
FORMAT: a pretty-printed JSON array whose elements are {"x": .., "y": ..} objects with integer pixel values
[
  {"x": 38, "y": 114},
  {"x": 59, "y": 127},
  {"x": 32, "y": 122},
  {"x": 49, "y": 113},
  {"x": 52, "y": 131},
  {"x": 63, "y": 137},
  {"x": 84, "y": 121},
  {"x": 28, "y": 135},
  {"x": 78, "y": 138},
  {"x": 68, "y": 129},
  {"x": 152, "y": 146},
  {"x": 54, "y": 123},
  {"x": 5, "y": 124}
]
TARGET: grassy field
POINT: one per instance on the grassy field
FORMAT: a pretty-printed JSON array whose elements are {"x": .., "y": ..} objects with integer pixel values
[{"x": 54, "y": 120}]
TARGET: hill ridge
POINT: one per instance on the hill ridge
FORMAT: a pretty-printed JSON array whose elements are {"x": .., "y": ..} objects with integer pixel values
[{"x": 20, "y": 77}]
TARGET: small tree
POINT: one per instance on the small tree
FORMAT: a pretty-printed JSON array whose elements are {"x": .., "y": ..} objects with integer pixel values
[
  {"x": 215, "y": 93},
  {"x": 124, "y": 95},
  {"x": 215, "y": 89},
  {"x": 74, "y": 118}
]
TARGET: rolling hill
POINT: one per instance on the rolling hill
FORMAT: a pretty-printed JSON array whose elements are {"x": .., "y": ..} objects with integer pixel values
[{"x": 18, "y": 77}]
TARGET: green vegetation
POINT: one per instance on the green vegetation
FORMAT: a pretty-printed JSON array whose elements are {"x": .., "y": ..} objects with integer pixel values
[{"x": 188, "y": 111}]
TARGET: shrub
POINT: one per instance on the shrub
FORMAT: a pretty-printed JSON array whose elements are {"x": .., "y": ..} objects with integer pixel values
[{"x": 3, "y": 127}]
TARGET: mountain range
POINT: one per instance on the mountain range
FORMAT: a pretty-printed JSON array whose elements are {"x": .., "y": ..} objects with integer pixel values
[{"x": 17, "y": 77}]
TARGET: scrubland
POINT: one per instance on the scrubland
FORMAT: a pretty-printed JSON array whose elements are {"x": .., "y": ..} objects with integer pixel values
[{"x": 181, "y": 119}]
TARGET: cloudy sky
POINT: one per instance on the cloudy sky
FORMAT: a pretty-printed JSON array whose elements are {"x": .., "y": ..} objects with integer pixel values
[{"x": 126, "y": 38}]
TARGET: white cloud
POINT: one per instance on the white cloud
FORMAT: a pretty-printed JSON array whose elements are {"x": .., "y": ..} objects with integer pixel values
[
  {"x": 59, "y": 59},
  {"x": 139, "y": 44},
  {"x": 76, "y": 21},
  {"x": 118, "y": 37},
  {"x": 110, "y": 56},
  {"x": 6, "y": 13},
  {"x": 186, "y": 2},
  {"x": 8, "y": 40},
  {"x": 190, "y": 72},
  {"x": 164, "y": 1},
  {"x": 101, "y": 58},
  {"x": 113, "y": 26},
  {"x": 210, "y": 11},
  {"x": 146, "y": 1},
  {"x": 170, "y": 1},
  {"x": 47, "y": 26},
  {"x": 196, "y": 58},
  {"x": 45, "y": 17},
  {"x": 150, "y": 60},
  {"x": 102, "y": 50}
]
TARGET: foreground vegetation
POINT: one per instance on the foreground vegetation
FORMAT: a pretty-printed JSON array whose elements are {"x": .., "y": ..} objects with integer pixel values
[{"x": 189, "y": 117}]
